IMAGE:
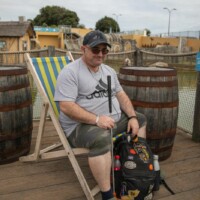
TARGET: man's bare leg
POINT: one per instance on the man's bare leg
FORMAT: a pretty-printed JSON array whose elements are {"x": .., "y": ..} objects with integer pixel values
[
  {"x": 142, "y": 132},
  {"x": 101, "y": 168}
]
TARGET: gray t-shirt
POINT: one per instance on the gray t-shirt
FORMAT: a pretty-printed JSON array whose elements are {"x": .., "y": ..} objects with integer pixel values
[{"x": 76, "y": 83}]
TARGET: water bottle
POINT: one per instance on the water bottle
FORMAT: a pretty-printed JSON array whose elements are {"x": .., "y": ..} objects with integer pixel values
[
  {"x": 117, "y": 175},
  {"x": 117, "y": 163},
  {"x": 157, "y": 170}
]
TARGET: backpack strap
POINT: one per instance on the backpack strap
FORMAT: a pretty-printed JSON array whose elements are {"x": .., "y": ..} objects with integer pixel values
[{"x": 162, "y": 181}]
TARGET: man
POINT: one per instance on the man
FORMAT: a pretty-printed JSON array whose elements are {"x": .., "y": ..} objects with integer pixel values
[{"x": 82, "y": 93}]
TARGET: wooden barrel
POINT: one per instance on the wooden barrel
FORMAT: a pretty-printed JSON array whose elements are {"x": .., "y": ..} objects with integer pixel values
[
  {"x": 154, "y": 92},
  {"x": 15, "y": 113}
]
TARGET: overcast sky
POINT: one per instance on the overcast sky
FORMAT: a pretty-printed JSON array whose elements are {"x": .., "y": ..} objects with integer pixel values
[{"x": 131, "y": 14}]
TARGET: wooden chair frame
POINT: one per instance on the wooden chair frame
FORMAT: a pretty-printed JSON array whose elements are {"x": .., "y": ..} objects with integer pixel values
[{"x": 47, "y": 153}]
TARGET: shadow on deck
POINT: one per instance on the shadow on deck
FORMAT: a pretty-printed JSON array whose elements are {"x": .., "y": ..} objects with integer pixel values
[{"x": 56, "y": 180}]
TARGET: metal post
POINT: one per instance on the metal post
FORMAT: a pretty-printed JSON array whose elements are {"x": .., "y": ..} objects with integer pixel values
[
  {"x": 111, "y": 132},
  {"x": 169, "y": 17},
  {"x": 51, "y": 51},
  {"x": 117, "y": 15},
  {"x": 196, "y": 123}
]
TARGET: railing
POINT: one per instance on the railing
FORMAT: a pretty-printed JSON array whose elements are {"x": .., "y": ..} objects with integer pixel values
[
  {"x": 148, "y": 57},
  {"x": 116, "y": 60},
  {"x": 188, "y": 34},
  {"x": 17, "y": 57}
]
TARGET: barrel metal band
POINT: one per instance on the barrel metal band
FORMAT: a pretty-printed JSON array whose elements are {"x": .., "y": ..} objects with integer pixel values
[
  {"x": 14, "y": 87},
  {"x": 155, "y": 104},
  {"x": 164, "y": 149},
  {"x": 10, "y": 107},
  {"x": 9, "y": 136},
  {"x": 148, "y": 84},
  {"x": 10, "y": 72},
  {"x": 163, "y": 135}
]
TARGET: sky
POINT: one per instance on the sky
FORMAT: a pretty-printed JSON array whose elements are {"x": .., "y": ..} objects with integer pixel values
[{"x": 130, "y": 14}]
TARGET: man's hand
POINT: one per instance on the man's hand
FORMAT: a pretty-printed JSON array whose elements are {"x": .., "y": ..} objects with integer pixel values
[
  {"x": 133, "y": 126},
  {"x": 105, "y": 122}
]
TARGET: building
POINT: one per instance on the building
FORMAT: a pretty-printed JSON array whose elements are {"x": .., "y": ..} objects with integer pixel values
[
  {"x": 62, "y": 37},
  {"x": 17, "y": 35}
]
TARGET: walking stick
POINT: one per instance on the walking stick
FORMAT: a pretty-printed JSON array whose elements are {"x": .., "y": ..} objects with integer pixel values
[{"x": 111, "y": 132}]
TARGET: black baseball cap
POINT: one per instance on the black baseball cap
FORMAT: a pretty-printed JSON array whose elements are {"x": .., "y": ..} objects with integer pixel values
[{"x": 95, "y": 38}]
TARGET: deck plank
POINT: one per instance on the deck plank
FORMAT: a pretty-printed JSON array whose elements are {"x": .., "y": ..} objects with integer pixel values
[
  {"x": 55, "y": 179},
  {"x": 193, "y": 194}
]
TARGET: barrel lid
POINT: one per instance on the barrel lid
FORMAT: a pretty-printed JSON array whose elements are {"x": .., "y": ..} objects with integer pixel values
[{"x": 149, "y": 68}]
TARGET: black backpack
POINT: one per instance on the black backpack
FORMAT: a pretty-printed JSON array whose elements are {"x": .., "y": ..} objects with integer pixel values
[{"x": 136, "y": 177}]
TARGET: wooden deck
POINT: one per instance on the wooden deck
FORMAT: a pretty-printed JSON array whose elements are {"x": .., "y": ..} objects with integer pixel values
[{"x": 55, "y": 179}]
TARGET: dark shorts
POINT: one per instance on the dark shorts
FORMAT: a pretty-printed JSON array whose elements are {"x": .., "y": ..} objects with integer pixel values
[{"x": 98, "y": 140}]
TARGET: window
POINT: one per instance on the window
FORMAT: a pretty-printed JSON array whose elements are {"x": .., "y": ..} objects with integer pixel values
[
  {"x": 2, "y": 44},
  {"x": 24, "y": 45}
]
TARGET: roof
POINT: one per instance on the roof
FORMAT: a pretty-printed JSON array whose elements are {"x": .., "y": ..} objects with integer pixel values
[{"x": 16, "y": 29}]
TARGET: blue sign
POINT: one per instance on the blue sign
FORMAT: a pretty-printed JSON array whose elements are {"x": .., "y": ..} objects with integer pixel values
[{"x": 198, "y": 61}]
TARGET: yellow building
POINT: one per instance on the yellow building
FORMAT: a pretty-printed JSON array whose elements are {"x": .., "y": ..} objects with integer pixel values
[
  {"x": 55, "y": 36},
  {"x": 63, "y": 36},
  {"x": 148, "y": 41}
]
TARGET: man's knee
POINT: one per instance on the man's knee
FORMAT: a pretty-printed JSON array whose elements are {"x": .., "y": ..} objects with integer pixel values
[
  {"x": 142, "y": 124},
  {"x": 101, "y": 145},
  {"x": 142, "y": 120}
]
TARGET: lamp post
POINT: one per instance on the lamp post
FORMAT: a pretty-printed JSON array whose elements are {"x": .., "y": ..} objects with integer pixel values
[
  {"x": 117, "y": 15},
  {"x": 169, "y": 17}
]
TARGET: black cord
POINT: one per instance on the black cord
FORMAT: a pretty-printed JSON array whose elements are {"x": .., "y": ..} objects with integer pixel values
[{"x": 162, "y": 181}]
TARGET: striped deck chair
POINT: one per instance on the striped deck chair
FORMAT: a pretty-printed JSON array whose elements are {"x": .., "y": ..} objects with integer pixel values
[{"x": 44, "y": 72}]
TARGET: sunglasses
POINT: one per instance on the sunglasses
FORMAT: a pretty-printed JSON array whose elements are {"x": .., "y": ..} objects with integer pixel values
[{"x": 96, "y": 50}]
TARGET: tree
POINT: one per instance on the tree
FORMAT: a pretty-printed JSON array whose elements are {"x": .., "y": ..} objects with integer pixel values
[
  {"x": 81, "y": 26},
  {"x": 148, "y": 32},
  {"x": 55, "y": 15},
  {"x": 106, "y": 24}
]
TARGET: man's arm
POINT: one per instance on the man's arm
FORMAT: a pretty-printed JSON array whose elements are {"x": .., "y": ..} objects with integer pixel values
[
  {"x": 125, "y": 104},
  {"x": 127, "y": 107},
  {"x": 77, "y": 113}
]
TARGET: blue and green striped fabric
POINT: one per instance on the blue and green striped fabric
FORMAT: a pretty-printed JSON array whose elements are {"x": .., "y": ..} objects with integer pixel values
[{"x": 48, "y": 69}]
